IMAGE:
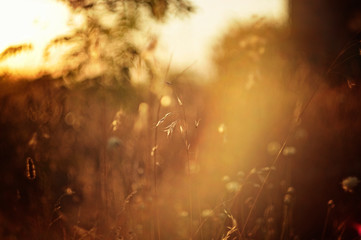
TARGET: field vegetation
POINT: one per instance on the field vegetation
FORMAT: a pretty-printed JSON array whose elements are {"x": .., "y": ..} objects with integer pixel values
[{"x": 118, "y": 146}]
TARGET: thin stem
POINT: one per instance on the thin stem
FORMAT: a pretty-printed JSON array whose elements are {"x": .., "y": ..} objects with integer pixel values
[
  {"x": 333, "y": 64},
  {"x": 154, "y": 151},
  {"x": 187, "y": 145},
  {"x": 330, "y": 206},
  {"x": 262, "y": 187}
]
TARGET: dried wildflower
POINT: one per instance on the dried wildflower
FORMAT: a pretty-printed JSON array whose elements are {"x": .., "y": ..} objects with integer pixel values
[
  {"x": 113, "y": 142},
  {"x": 232, "y": 186},
  {"x": 162, "y": 119},
  {"x": 287, "y": 199},
  {"x": 179, "y": 101},
  {"x": 196, "y": 123},
  {"x": 289, "y": 151},
  {"x": 291, "y": 190},
  {"x": 266, "y": 169},
  {"x": 181, "y": 129},
  {"x": 253, "y": 171},
  {"x": 34, "y": 140},
  {"x": 349, "y": 184},
  {"x": 232, "y": 229},
  {"x": 117, "y": 120},
  {"x": 351, "y": 83},
  {"x": 170, "y": 128},
  {"x": 115, "y": 125},
  {"x": 69, "y": 191},
  {"x": 154, "y": 149},
  {"x": 30, "y": 169},
  {"x": 331, "y": 204},
  {"x": 207, "y": 213},
  {"x": 289, "y": 196}
]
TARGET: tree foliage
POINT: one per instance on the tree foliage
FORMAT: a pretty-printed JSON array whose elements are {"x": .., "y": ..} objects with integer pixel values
[{"x": 110, "y": 39}]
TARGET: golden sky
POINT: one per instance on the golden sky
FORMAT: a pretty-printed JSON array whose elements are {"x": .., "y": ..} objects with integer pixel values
[
  {"x": 34, "y": 22},
  {"x": 189, "y": 40}
]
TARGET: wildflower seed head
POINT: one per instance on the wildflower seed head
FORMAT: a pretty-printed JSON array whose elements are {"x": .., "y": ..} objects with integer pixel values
[
  {"x": 179, "y": 102},
  {"x": 170, "y": 128},
  {"x": 288, "y": 199},
  {"x": 113, "y": 142},
  {"x": 253, "y": 171},
  {"x": 196, "y": 123},
  {"x": 154, "y": 149},
  {"x": 349, "y": 184},
  {"x": 232, "y": 186},
  {"x": 69, "y": 191},
  {"x": 30, "y": 169},
  {"x": 226, "y": 178},
  {"x": 331, "y": 204},
  {"x": 33, "y": 141},
  {"x": 273, "y": 148},
  {"x": 289, "y": 151},
  {"x": 207, "y": 213},
  {"x": 291, "y": 190},
  {"x": 162, "y": 119}
]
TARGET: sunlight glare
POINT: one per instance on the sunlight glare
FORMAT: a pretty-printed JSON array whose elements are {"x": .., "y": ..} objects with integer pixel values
[{"x": 34, "y": 22}]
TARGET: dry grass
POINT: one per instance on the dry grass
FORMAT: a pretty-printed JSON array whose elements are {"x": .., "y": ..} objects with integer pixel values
[{"x": 182, "y": 160}]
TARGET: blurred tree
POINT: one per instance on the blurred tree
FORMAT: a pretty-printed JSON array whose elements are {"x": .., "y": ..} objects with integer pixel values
[{"x": 111, "y": 38}]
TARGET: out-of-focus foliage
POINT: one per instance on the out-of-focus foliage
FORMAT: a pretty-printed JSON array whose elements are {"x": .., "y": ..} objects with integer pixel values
[
  {"x": 14, "y": 50},
  {"x": 108, "y": 39},
  {"x": 113, "y": 39},
  {"x": 103, "y": 159}
]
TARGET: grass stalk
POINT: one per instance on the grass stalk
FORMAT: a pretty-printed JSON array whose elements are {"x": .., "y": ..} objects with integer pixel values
[
  {"x": 189, "y": 176},
  {"x": 330, "y": 206},
  {"x": 154, "y": 153}
]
